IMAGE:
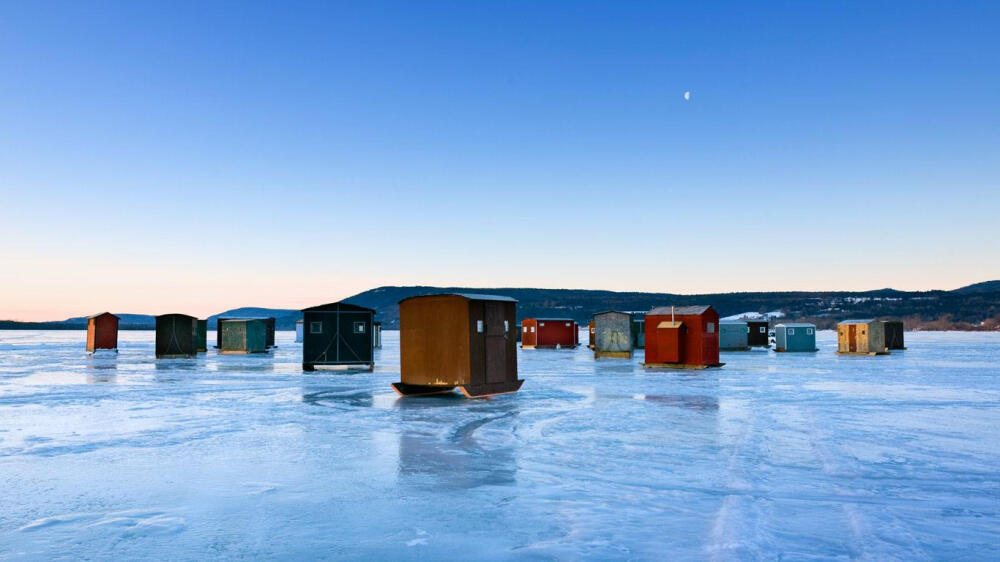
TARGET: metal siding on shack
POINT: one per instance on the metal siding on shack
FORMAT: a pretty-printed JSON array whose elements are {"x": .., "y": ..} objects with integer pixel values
[
  {"x": 757, "y": 333},
  {"x": 733, "y": 335},
  {"x": 176, "y": 336},
  {"x": 338, "y": 335},
  {"x": 457, "y": 340},
  {"x": 102, "y": 332},
  {"x": 683, "y": 336},
  {"x": 613, "y": 334},
  {"x": 244, "y": 336},
  {"x": 797, "y": 337},
  {"x": 893, "y": 330}
]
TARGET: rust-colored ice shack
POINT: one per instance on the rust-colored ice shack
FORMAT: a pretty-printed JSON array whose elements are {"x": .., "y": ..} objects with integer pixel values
[
  {"x": 861, "y": 337},
  {"x": 457, "y": 340},
  {"x": 102, "y": 332},
  {"x": 682, "y": 337},
  {"x": 549, "y": 333}
]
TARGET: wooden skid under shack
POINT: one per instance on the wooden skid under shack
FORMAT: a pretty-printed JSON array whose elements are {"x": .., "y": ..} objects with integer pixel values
[
  {"x": 612, "y": 354},
  {"x": 782, "y": 350},
  {"x": 680, "y": 366},
  {"x": 863, "y": 353}
]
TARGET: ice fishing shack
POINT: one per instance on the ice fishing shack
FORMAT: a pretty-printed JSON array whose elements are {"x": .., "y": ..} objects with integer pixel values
[
  {"x": 243, "y": 336},
  {"x": 202, "y": 335},
  {"x": 338, "y": 335},
  {"x": 457, "y": 340},
  {"x": 733, "y": 335},
  {"x": 176, "y": 336},
  {"x": 893, "y": 335},
  {"x": 613, "y": 335},
  {"x": 298, "y": 331},
  {"x": 102, "y": 332},
  {"x": 682, "y": 337},
  {"x": 757, "y": 333},
  {"x": 861, "y": 337},
  {"x": 795, "y": 337},
  {"x": 549, "y": 333}
]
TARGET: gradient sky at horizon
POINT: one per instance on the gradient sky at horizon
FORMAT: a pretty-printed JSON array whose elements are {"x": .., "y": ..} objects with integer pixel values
[{"x": 196, "y": 157}]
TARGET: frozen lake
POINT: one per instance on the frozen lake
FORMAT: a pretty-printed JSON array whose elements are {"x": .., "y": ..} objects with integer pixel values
[{"x": 802, "y": 456}]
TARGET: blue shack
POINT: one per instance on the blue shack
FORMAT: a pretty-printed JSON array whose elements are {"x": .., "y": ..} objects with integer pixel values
[
  {"x": 733, "y": 335},
  {"x": 795, "y": 337}
]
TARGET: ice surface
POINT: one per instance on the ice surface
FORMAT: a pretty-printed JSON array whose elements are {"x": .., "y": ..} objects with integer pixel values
[{"x": 799, "y": 456}]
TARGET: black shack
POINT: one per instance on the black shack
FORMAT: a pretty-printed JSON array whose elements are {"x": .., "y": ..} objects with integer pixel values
[
  {"x": 338, "y": 335},
  {"x": 757, "y": 334},
  {"x": 176, "y": 336},
  {"x": 894, "y": 334}
]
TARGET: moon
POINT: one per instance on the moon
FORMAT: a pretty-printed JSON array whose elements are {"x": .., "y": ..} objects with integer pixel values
[{"x": 687, "y": 96}]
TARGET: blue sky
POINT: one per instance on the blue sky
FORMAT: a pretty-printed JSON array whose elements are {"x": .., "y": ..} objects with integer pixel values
[{"x": 198, "y": 156}]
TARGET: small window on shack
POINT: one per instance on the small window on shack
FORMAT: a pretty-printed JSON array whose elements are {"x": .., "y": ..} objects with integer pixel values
[
  {"x": 359, "y": 327},
  {"x": 506, "y": 326},
  {"x": 710, "y": 327},
  {"x": 809, "y": 331},
  {"x": 524, "y": 329},
  {"x": 763, "y": 329},
  {"x": 791, "y": 331},
  {"x": 541, "y": 324},
  {"x": 315, "y": 327},
  {"x": 533, "y": 329},
  {"x": 479, "y": 326}
]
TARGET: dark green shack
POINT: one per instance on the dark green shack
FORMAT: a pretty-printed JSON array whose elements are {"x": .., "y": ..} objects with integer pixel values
[
  {"x": 176, "y": 336},
  {"x": 338, "y": 335},
  {"x": 268, "y": 325},
  {"x": 202, "y": 335},
  {"x": 244, "y": 336}
]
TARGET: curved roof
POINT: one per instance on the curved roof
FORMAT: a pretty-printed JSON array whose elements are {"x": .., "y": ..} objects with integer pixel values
[
  {"x": 467, "y": 296},
  {"x": 338, "y": 306}
]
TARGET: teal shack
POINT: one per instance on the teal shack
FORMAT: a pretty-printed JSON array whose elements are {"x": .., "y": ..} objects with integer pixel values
[
  {"x": 733, "y": 335},
  {"x": 244, "y": 336},
  {"x": 638, "y": 330},
  {"x": 795, "y": 337}
]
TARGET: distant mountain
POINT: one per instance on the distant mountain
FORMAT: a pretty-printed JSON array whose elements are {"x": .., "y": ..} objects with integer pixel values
[
  {"x": 984, "y": 287},
  {"x": 973, "y": 307}
]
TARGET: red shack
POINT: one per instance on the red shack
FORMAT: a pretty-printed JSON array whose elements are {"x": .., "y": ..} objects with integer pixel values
[
  {"x": 682, "y": 337},
  {"x": 549, "y": 332},
  {"x": 102, "y": 332}
]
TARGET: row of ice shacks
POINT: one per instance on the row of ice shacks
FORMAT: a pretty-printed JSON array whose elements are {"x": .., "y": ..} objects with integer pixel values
[{"x": 183, "y": 336}]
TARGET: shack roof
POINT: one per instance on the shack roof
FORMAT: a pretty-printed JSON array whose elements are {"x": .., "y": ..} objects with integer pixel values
[
  {"x": 101, "y": 314},
  {"x": 664, "y": 310},
  {"x": 669, "y": 324},
  {"x": 176, "y": 314},
  {"x": 336, "y": 306},
  {"x": 551, "y": 319},
  {"x": 467, "y": 296},
  {"x": 242, "y": 318},
  {"x": 796, "y": 325},
  {"x": 732, "y": 321},
  {"x": 613, "y": 312},
  {"x": 856, "y": 321}
]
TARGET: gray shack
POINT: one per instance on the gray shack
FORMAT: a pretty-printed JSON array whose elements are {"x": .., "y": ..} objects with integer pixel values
[{"x": 613, "y": 334}]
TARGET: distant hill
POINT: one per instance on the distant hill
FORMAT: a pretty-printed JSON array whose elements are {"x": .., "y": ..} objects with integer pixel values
[
  {"x": 984, "y": 287},
  {"x": 973, "y": 307},
  {"x": 825, "y": 308}
]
